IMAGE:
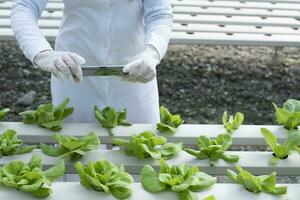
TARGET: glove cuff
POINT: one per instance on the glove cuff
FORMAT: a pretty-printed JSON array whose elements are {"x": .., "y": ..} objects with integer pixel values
[
  {"x": 36, "y": 57},
  {"x": 152, "y": 50}
]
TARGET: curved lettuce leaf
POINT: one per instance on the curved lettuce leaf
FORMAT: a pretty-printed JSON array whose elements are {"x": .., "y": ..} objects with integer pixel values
[
  {"x": 3, "y": 113},
  {"x": 231, "y": 123},
  {"x": 147, "y": 144},
  {"x": 104, "y": 176},
  {"x": 48, "y": 116},
  {"x": 169, "y": 123},
  {"x": 289, "y": 114},
  {"x": 11, "y": 145},
  {"x": 30, "y": 177},
  {"x": 71, "y": 147},
  {"x": 214, "y": 149},
  {"x": 109, "y": 118},
  {"x": 256, "y": 184},
  {"x": 183, "y": 179}
]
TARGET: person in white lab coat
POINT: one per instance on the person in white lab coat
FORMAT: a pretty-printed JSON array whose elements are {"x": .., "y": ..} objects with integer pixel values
[{"x": 134, "y": 33}]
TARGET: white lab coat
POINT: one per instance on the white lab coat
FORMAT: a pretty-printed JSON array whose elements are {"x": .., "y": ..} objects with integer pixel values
[{"x": 104, "y": 32}]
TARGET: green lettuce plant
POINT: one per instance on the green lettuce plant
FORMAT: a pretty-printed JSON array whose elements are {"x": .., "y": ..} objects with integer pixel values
[
  {"x": 281, "y": 151},
  {"x": 3, "y": 113},
  {"x": 30, "y": 177},
  {"x": 214, "y": 149},
  {"x": 48, "y": 116},
  {"x": 256, "y": 184},
  {"x": 71, "y": 147},
  {"x": 109, "y": 118},
  {"x": 183, "y": 179},
  {"x": 168, "y": 122},
  {"x": 11, "y": 145},
  {"x": 231, "y": 124},
  {"x": 147, "y": 144},
  {"x": 104, "y": 176},
  {"x": 289, "y": 114}
]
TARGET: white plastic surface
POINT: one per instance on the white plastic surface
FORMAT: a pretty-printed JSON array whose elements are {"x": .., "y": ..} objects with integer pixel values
[
  {"x": 256, "y": 162},
  {"x": 74, "y": 191},
  {"x": 186, "y": 133}
]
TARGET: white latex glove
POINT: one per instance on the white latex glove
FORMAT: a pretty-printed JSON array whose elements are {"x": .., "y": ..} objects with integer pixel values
[
  {"x": 143, "y": 66},
  {"x": 60, "y": 62}
]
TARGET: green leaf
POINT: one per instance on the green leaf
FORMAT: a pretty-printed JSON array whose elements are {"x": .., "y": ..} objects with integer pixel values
[
  {"x": 26, "y": 149},
  {"x": 147, "y": 144},
  {"x": 256, "y": 184},
  {"x": 71, "y": 147},
  {"x": 214, "y": 149},
  {"x": 121, "y": 190},
  {"x": 109, "y": 118},
  {"x": 29, "y": 177},
  {"x": 289, "y": 114},
  {"x": 233, "y": 123},
  {"x": 56, "y": 171},
  {"x": 104, "y": 176},
  {"x": 3, "y": 113},
  {"x": 168, "y": 150},
  {"x": 210, "y": 197},
  {"x": 280, "y": 151},
  {"x": 42, "y": 192},
  {"x": 150, "y": 180},
  {"x": 11, "y": 145},
  {"x": 48, "y": 116},
  {"x": 35, "y": 162},
  {"x": 182, "y": 179},
  {"x": 232, "y": 176},
  {"x": 188, "y": 195},
  {"x": 169, "y": 123},
  {"x": 51, "y": 150}
]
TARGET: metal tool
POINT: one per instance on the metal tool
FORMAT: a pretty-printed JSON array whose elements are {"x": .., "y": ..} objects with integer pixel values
[{"x": 105, "y": 70}]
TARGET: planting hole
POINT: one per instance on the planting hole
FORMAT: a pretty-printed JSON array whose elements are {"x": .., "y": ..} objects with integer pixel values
[
  {"x": 190, "y": 33},
  {"x": 280, "y": 158}
]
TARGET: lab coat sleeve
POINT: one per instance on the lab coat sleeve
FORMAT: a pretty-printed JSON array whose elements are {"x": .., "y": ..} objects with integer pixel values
[
  {"x": 24, "y": 17},
  {"x": 158, "y": 19}
]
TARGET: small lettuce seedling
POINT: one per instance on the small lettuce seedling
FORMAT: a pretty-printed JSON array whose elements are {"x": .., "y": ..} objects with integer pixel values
[
  {"x": 147, "y": 144},
  {"x": 3, "y": 113},
  {"x": 71, "y": 147},
  {"x": 183, "y": 179},
  {"x": 30, "y": 177},
  {"x": 109, "y": 118},
  {"x": 214, "y": 149},
  {"x": 11, "y": 145},
  {"x": 280, "y": 151},
  {"x": 168, "y": 122},
  {"x": 48, "y": 116},
  {"x": 256, "y": 184},
  {"x": 104, "y": 176},
  {"x": 289, "y": 114},
  {"x": 233, "y": 123}
]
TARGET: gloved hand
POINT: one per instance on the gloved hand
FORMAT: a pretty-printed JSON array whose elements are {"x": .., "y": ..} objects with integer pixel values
[
  {"x": 59, "y": 62},
  {"x": 143, "y": 67}
]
